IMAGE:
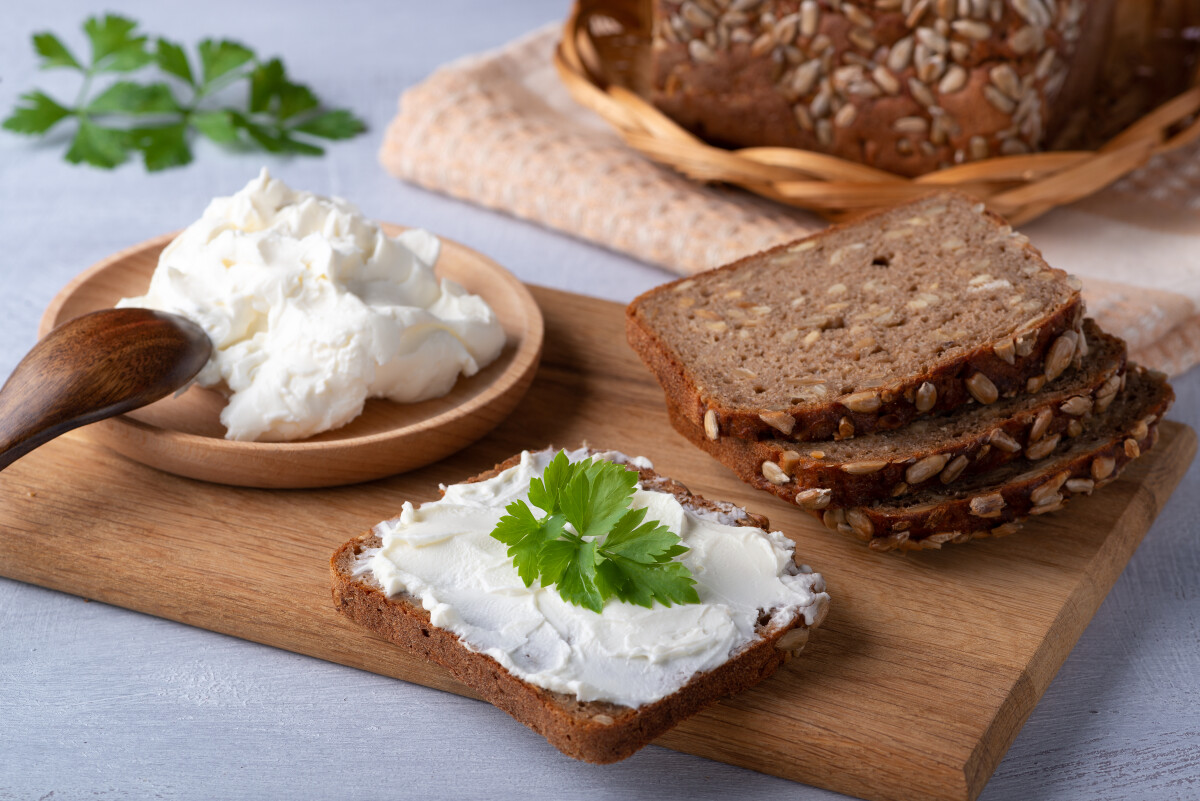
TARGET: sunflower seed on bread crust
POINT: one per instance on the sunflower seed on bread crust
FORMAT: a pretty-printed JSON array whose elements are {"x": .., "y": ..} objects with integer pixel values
[
  {"x": 1020, "y": 488},
  {"x": 863, "y": 469},
  {"x": 1004, "y": 493}
]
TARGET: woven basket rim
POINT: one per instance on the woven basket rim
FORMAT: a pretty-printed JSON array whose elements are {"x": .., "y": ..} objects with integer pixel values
[{"x": 1020, "y": 187}]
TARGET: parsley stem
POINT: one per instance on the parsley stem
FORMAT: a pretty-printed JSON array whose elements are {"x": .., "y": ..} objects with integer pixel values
[
  {"x": 217, "y": 84},
  {"x": 83, "y": 91},
  {"x": 575, "y": 538}
]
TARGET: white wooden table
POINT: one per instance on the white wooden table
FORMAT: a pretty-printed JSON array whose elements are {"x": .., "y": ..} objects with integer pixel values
[{"x": 99, "y": 701}]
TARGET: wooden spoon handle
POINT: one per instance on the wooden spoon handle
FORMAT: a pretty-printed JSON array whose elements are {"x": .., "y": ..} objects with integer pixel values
[{"x": 96, "y": 366}]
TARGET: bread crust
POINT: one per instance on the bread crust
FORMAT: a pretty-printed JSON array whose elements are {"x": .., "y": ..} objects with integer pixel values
[
  {"x": 864, "y": 483},
  {"x": 828, "y": 420},
  {"x": 954, "y": 520},
  {"x": 594, "y": 731}
]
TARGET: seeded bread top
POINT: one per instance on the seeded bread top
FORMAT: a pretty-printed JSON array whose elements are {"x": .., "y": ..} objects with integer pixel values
[
  {"x": 905, "y": 85},
  {"x": 906, "y": 292}
]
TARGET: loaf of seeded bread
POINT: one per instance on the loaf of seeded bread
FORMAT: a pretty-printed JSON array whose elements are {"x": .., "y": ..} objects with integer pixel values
[
  {"x": 995, "y": 503},
  {"x": 864, "y": 327},
  {"x": 905, "y": 85},
  {"x": 930, "y": 451},
  {"x": 592, "y": 731}
]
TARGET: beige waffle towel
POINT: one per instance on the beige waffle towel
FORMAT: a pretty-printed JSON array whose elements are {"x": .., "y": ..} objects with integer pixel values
[{"x": 500, "y": 130}]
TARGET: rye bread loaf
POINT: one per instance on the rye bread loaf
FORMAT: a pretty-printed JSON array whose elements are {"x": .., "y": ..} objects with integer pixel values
[
  {"x": 864, "y": 327},
  {"x": 593, "y": 731},
  {"x": 934, "y": 451},
  {"x": 905, "y": 85},
  {"x": 997, "y": 502}
]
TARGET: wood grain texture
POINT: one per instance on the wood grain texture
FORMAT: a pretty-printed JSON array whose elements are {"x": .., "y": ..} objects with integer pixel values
[
  {"x": 184, "y": 434},
  {"x": 914, "y": 687}
]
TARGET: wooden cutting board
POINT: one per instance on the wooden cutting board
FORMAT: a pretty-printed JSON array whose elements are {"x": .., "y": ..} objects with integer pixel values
[{"x": 915, "y": 686}]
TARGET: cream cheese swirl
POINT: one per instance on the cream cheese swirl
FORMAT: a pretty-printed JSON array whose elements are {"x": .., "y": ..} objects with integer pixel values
[{"x": 312, "y": 309}]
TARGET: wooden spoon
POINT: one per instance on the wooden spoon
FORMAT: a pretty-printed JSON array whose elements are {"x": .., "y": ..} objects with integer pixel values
[{"x": 99, "y": 365}]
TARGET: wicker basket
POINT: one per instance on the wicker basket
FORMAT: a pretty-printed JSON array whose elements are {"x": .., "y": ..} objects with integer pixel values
[{"x": 604, "y": 41}]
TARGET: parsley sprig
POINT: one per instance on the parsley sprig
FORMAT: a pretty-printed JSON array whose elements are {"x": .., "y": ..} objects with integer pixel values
[
  {"x": 159, "y": 119},
  {"x": 608, "y": 550}
]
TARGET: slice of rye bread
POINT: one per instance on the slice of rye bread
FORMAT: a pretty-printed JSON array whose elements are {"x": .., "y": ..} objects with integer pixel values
[
  {"x": 932, "y": 451},
  {"x": 996, "y": 503},
  {"x": 593, "y": 731},
  {"x": 863, "y": 327}
]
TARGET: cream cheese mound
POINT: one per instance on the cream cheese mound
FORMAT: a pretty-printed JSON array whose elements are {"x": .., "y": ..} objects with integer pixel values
[
  {"x": 443, "y": 554},
  {"x": 312, "y": 309}
]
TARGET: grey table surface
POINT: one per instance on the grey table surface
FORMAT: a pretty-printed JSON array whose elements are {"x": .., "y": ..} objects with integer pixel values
[{"x": 97, "y": 701}]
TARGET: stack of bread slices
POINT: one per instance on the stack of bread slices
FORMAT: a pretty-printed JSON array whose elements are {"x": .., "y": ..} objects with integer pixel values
[{"x": 918, "y": 377}]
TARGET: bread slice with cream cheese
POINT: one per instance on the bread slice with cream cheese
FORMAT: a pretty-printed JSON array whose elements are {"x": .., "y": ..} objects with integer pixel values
[{"x": 586, "y": 724}]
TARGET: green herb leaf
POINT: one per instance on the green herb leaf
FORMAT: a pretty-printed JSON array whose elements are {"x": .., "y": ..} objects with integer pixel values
[
  {"x": 217, "y": 126},
  {"x": 36, "y": 114},
  {"x": 53, "y": 52},
  {"x": 131, "y": 58},
  {"x": 339, "y": 124},
  {"x": 269, "y": 82},
  {"x": 134, "y": 98},
  {"x": 265, "y": 80},
  {"x": 641, "y": 542},
  {"x": 172, "y": 60},
  {"x": 263, "y": 136},
  {"x": 271, "y": 113},
  {"x": 108, "y": 35},
  {"x": 613, "y": 551},
  {"x": 640, "y": 583},
  {"x": 572, "y": 566},
  {"x": 525, "y": 535},
  {"x": 597, "y": 496},
  {"x": 673, "y": 551},
  {"x": 100, "y": 147},
  {"x": 114, "y": 47},
  {"x": 543, "y": 492},
  {"x": 295, "y": 98},
  {"x": 163, "y": 146},
  {"x": 220, "y": 57},
  {"x": 639, "y": 565}
]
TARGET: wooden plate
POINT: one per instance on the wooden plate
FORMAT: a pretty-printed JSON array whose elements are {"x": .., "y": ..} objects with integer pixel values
[{"x": 184, "y": 435}]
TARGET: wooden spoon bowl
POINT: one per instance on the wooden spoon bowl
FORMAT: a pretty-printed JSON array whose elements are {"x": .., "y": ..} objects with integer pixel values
[
  {"x": 184, "y": 435},
  {"x": 93, "y": 367}
]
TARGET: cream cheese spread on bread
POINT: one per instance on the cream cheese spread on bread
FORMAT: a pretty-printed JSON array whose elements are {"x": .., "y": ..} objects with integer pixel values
[
  {"x": 312, "y": 309},
  {"x": 443, "y": 554}
]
